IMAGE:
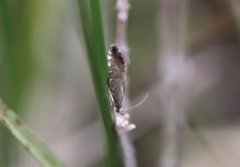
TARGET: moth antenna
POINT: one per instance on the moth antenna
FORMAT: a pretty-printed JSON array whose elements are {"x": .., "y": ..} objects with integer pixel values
[{"x": 138, "y": 104}]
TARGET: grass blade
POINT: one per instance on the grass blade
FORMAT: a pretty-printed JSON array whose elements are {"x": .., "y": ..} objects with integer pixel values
[
  {"x": 26, "y": 138},
  {"x": 94, "y": 38}
]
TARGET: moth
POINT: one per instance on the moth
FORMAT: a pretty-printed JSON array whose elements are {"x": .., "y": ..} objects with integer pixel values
[{"x": 117, "y": 66}]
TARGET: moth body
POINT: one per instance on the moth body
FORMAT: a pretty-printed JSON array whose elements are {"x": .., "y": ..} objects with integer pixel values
[{"x": 117, "y": 77}]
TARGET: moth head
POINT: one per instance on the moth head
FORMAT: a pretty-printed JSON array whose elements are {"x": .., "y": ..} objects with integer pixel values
[
  {"x": 117, "y": 57},
  {"x": 114, "y": 49}
]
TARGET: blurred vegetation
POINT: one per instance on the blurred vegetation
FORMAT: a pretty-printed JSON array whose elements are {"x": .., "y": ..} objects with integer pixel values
[
  {"x": 24, "y": 27},
  {"x": 43, "y": 69}
]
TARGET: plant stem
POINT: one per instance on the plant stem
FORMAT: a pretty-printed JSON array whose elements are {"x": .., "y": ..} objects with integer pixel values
[
  {"x": 94, "y": 39},
  {"x": 26, "y": 138},
  {"x": 122, "y": 7},
  {"x": 173, "y": 58},
  {"x": 235, "y": 4},
  {"x": 12, "y": 90}
]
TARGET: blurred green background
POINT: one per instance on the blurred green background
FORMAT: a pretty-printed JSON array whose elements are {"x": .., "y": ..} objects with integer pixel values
[{"x": 45, "y": 78}]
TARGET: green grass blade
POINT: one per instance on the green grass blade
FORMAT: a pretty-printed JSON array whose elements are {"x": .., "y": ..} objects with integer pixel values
[
  {"x": 13, "y": 81},
  {"x": 94, "y": 39},
  {"x": 26, "y": 138},
  {"x": 10, "y": 83}
]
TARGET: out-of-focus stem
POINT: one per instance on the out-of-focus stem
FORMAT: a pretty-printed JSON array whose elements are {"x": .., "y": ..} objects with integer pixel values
[
  {"x": 235, "y": 7},
  {"x": 172, "y": 62},
  {"x": 13, "y": 88},
  {"x": 173, "y": 22}
]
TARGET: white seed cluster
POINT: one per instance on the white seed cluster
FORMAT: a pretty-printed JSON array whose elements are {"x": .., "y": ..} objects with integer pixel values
[{"x": 123, "y": 123}]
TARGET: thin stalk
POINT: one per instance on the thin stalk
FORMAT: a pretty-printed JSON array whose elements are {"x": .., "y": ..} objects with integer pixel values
[
  {"x": 122, "y": 7},
  {"x": 26, "y": 137},
  {"x": 235, "y": 7},
  {"x": 94, "y": 39},
  {"x": 173, "y": 58}
]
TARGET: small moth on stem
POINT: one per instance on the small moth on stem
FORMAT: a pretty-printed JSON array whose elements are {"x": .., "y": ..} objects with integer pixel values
[
  {"x": 118, "y": 60},
  {"x": 117, "y": 85},
  {"x": 117, "y": 77}
]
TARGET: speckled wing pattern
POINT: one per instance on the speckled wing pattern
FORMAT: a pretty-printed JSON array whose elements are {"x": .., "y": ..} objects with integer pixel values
[{"x": 116, "y": 79}]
